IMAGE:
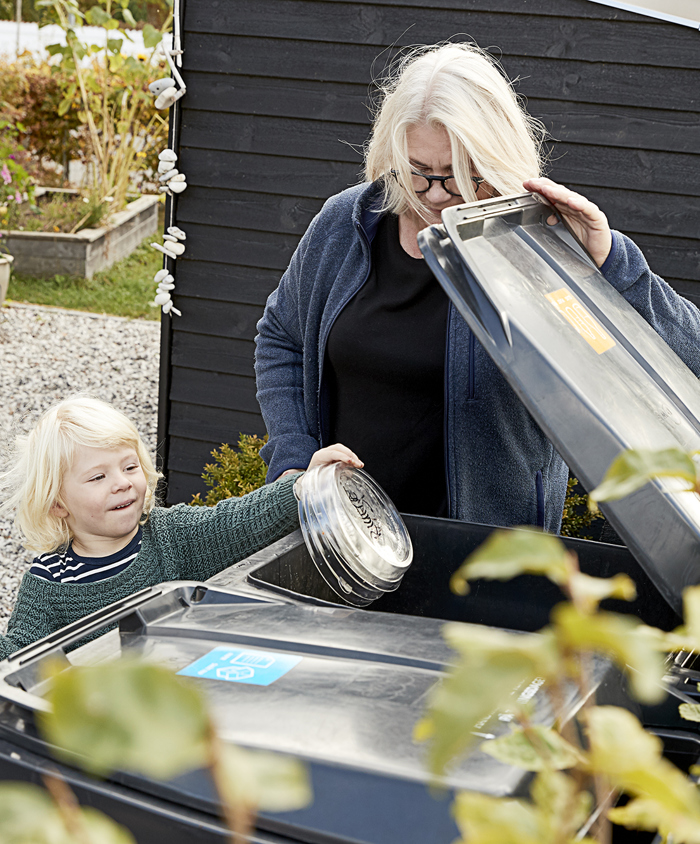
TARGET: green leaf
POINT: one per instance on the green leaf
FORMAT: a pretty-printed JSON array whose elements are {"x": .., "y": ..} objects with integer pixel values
[
  {"x": 151, "y": 36},
  {"x": 554, "y": 816},
  {"x": 29, "y": 816},
  {"x": 64, "y": 105},
  {"x": 505, "y": 663},
  {"x": 114, "y": 45},
  {"x": 509, "y": 553},
  {"x": 632, "y": 469},
  {"x": 622, "y": 638},
  {"x": 128, "y": 17},
  {"x": 632, "y": 760},
  {"x": 687, "y": 637},
  {"x": 115, "y": 64},
  {"x": 103, "y": 830},
  {"x": 491, "y": 820},
  {"x": 562, "y": 805},
  {"x": 267, "y": 781},
  {"x": 590, "y": 591},
  {"x": 537, "y": 749},
  {"x": 647, "y": 814},
  {"x": 27, "y": 813},
  {"x": 96, "y": 16},
  {"x": 690, "y": 711},
  {"x": 125, "y": 716}
]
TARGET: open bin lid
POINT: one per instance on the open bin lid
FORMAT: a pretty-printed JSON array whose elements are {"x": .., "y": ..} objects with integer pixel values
[{"x": 594, "y": 375}]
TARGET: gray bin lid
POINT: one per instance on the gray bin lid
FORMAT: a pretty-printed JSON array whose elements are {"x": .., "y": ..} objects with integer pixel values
[
  {"x": 594, "y": 375},
  {"x": 336, "y": 686}
]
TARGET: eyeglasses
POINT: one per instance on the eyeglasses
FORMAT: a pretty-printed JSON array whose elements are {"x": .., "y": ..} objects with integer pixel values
[{"x": 422, "y": 183}]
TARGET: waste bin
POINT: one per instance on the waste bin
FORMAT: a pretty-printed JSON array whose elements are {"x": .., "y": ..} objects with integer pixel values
[{"x": 339, "y": 687}]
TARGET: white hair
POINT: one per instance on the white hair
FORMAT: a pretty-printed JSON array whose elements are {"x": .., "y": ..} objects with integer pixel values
[{"x": 460, "y": 88}]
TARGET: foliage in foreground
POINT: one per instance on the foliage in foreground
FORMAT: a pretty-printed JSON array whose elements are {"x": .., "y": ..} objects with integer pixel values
[
  {"x": 582, "y": 764},
  {"x": 140, "y": 719},
  {"x": 617, "y": 753},
  {"x": 233, "y": 473}
]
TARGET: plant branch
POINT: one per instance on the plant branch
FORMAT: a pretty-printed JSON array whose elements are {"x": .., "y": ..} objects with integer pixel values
[
  {"x": 68, "y": 808},
  {"x": 238, "y": 816}
]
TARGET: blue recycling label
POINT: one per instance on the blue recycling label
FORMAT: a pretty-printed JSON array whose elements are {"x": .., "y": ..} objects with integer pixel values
[{"x": 234, "y": 665}]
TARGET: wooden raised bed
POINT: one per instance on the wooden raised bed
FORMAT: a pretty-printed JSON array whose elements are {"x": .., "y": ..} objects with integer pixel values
[{"x": 87, "y": 251}]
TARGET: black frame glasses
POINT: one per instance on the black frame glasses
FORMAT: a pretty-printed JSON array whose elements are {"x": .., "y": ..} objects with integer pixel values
[{"x": 478, "y": 181}]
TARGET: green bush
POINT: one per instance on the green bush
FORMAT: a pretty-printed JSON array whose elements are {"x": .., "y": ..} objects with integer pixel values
[
  {"x": 235, "y": 472},
  {"x": 31, "y": 94},
  {"x": 577, "y": 517}
]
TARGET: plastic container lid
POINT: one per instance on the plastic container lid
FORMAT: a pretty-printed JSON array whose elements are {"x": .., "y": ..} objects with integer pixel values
[{"x": 353, "y": 532}]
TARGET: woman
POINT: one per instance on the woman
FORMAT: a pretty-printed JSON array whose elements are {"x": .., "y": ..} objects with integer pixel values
[{"x": 360, "y": 345}]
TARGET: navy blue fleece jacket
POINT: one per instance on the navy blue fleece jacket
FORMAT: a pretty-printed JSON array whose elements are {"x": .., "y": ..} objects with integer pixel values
[{"x": 501, "y": 468}]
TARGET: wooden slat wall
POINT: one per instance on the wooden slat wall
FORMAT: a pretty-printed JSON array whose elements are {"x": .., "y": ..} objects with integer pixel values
[{"x": 276, "y": 110}]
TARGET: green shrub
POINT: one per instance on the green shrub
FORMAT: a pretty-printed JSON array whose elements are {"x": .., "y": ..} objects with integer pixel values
[
  {"x": 235, "y": 472},
  {"x": 31, "y": 92},
  {"x": 577, "y": 517}
]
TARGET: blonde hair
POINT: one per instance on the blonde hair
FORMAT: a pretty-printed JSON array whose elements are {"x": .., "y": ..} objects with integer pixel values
[
  {"x": 460, "y": 88},
  {"x": 34, "y": 480}
]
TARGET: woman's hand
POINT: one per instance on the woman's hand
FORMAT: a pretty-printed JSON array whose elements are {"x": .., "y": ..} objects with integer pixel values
[
  {"x": 335, "y": 454},
  {"x": 587, "y": 221}
]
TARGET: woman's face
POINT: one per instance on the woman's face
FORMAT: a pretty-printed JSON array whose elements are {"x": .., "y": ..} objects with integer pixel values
[{"x": 430, "y": 152}]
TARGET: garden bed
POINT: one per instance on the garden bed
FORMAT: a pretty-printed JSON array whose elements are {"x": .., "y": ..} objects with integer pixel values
[{"x": 39, "y": 253}]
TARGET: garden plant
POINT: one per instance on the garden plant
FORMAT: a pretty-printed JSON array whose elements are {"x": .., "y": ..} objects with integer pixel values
[
  {"x": 110, "y": 91},
  {"x": 16, "y": 186},
  {"x": 91, "y": 103},
  {"x": 582, "y": 765},
  {"x": 233, "y": 473}
]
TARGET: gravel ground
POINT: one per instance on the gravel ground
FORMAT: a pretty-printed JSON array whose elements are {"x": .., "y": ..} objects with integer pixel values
[{"x": 47, "y": 354}]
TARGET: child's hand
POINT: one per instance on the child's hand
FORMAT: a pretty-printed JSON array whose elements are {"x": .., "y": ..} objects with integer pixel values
[{"x": 335, "y": 454}]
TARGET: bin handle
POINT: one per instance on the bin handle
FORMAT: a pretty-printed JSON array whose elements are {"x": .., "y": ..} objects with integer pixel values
[{"x": 63, "y": 638}]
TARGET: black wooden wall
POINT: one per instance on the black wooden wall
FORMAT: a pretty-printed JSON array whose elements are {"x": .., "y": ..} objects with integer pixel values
[{"x": 276, "y": 108}]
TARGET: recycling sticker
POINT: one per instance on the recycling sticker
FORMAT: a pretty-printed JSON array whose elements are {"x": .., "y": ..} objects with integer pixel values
[{"x": 234, "y": 665}]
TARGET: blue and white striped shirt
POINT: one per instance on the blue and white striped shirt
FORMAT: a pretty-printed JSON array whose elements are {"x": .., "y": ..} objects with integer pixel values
[{"x": 69, "y": 567}]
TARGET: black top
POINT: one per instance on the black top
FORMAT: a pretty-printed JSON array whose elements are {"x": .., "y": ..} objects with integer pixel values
[{"x": 385, "y": 363}]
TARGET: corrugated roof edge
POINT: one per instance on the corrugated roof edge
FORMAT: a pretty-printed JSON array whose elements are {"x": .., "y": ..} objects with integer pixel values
[{"x": 653, "y": 9}]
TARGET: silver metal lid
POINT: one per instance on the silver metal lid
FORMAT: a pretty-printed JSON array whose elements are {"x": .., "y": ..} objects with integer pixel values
[{"x": 353, "y": 532}]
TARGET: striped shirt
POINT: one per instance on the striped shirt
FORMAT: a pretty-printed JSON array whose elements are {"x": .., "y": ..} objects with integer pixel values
[{"x": 69, "y": 567}]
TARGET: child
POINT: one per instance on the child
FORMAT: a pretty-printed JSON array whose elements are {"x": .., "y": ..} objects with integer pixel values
[{"x": 84, "y": 488}]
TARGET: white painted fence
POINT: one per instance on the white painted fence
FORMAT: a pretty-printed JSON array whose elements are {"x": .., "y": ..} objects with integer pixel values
[{"x": 37, "y": 40}]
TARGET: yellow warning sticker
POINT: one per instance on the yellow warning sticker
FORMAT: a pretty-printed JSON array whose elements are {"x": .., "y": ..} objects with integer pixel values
[{"x": 585, "y": 324}]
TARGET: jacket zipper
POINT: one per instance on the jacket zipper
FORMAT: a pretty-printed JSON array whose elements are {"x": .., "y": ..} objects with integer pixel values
[
  {"x": 539, "y": 493},
  {"x": 446, "y": 427}
]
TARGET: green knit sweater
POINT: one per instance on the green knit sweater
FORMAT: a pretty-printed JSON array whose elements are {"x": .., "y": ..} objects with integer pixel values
[{"x": 179, "y": 543}]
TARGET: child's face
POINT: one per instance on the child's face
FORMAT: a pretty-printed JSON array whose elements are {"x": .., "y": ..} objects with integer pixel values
[{"x": 103, "y": 494}]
